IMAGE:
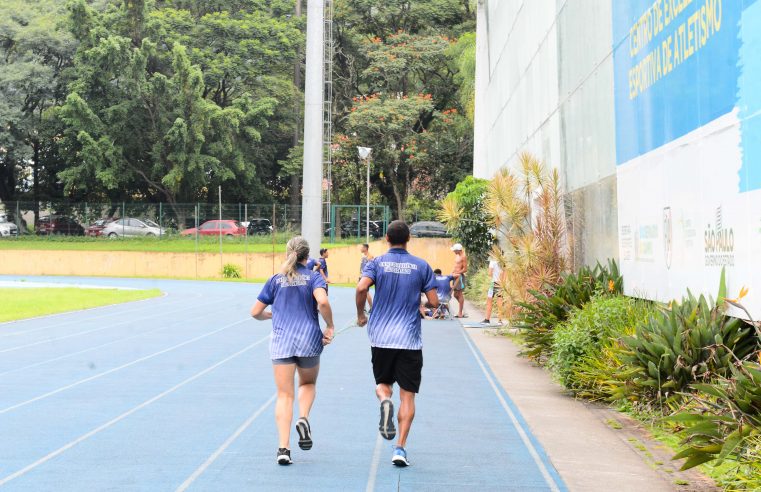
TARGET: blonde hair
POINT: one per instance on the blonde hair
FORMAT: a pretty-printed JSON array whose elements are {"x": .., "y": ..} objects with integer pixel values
[{"x": 297, "y": 250}]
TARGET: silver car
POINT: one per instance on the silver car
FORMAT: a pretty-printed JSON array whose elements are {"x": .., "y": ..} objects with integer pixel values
[
  {"x": 130, "y": 227},
  {"x": 7, "y": 228}
]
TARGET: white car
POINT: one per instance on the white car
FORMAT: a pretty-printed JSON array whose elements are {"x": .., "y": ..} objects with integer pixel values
[
  {"x": 129, "y": 227},
  {"x": 7, "y": 229}
]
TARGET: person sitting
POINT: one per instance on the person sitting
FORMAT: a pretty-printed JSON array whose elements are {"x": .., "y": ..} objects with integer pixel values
[{"x": 443, "y": 284}]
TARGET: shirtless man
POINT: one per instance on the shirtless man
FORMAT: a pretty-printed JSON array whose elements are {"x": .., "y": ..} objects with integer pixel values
[{"x": 458, "y": 272}]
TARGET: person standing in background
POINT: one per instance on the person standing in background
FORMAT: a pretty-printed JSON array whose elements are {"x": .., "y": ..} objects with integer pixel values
[
  {"x": 458, "y": 272},
  {"x": 322, "y": 264},
  {"x": 495, "y": 291},
  {"x": 366, "y": 256}
]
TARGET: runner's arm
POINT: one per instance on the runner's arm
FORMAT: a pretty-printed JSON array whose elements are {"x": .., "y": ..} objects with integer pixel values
[
  {"x": 433, "y": 299},
  {"x": 258, "y": 311},
  {"x": 363, "y": 287},
  {"x": 323, "y": 305}
]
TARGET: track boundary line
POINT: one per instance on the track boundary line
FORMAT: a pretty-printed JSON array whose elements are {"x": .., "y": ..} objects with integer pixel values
[
  {"x": 221, "y": 449},
  {"x": 371, "y": 477},
  {"x": 117, "y": 419},
  {"x": 117, "y": 368},
  {"x": 72, "y": 354},
  {"x": 551, "y": 482},
  {"x": 76, "y": 311},
  {"x": 85, "y": 332}
]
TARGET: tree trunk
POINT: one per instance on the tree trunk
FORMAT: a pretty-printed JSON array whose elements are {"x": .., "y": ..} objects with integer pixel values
[
  {"x": 295, "y": 186},
  {"x": 399, "y": 201},
  {"x": 36, "y": 179}
]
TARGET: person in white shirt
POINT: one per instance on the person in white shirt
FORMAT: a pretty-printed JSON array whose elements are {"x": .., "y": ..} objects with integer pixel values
[{"x": 495, "y": 290}]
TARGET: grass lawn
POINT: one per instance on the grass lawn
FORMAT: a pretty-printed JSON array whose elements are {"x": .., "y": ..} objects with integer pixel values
[
  {"x": 20, "y": 303},
  {"x": 169, "y": 244}
]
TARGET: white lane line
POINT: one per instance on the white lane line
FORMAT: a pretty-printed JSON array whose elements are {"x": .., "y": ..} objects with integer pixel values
[
  {"x": 118, "y": 368},
  {"x": 123, "y": 416},
  {"x": 78, "y": 311},
  {"x": 85, "y": 332},
  {"x": 374, "y": 465},
  {"x": 136, "y": 335},
  {"x": 216, "y": 454},
  {"x": 518, "y": 427}
]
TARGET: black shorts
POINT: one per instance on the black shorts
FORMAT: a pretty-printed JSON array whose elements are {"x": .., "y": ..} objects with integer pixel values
[{"x": 400, "y": 366}]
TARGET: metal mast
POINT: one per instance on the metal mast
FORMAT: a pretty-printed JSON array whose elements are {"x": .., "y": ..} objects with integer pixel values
[
  {"x": 311, "y": 205},
  {"x": 327, "y": 123}
]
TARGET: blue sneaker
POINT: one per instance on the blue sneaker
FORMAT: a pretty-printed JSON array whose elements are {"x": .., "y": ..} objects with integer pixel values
[{"x": 400, "y": 457}]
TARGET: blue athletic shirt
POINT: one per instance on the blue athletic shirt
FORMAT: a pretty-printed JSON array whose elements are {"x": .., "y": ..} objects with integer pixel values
[
  {"x": 443, "y": 288},
  {"x": 399, "y": 278},
  {"x": 323, "y": 265},
  {"x": 311, "y": 262},
  {"x": 295, "y": 328}
]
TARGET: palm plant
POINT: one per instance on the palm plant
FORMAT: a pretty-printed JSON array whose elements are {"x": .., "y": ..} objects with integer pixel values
[{"x": 525, "y": 208}]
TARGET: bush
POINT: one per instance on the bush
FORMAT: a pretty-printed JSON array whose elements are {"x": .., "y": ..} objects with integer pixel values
[
  {"x": 547, "y": 309},
  {"x": 230, "y": 270},
  {"x": 723, "y": 422},
  {"x": 478, "y": 285},
  {"x": 602, "y": 322},
  {"x": 463, "y": 213},
  {"x": 691, "y": 342}
]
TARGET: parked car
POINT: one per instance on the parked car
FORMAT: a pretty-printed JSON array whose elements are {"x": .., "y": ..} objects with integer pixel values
[
  {"x": 131, "y": 227},
  {"x": 350, "y": 229},
  {"x": 7, "y": 228},
  {"x": 96, "y": 228},
  {"x": 58, "y": 224},
  {"x": 217, "y": 227},
  {"x": 259, "y": 227},
  {"x": 428, "y": 229}
]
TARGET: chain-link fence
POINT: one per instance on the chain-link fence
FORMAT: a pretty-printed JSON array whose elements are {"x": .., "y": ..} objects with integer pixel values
[{"x": 125, "y": 219}]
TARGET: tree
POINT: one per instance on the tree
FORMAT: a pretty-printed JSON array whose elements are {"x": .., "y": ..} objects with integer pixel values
[
  {"x": 36, "y": 55},
  {"x": 464, "y": 211}
]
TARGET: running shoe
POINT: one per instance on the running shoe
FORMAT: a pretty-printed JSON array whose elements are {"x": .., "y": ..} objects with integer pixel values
[
  {"x": 400, "y": 457},
  {"x": 486, "y": 322},
  {"x": 305, "y": 434},
  {"x": 284, "y": 456},
  {"x": 386, "y": 426}
]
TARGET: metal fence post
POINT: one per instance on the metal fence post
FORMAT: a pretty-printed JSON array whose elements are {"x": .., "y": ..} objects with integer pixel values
[{"x": 161, "y": 218}]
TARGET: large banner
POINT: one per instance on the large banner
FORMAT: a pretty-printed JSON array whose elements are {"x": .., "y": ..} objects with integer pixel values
[{"x": 688, "y": 140}]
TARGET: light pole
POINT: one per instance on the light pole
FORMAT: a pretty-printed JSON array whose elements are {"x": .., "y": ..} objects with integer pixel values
[{"x": 364, "y": 154}]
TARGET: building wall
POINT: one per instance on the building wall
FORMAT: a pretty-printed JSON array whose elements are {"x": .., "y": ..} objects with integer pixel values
[{"x": 549, "y": 91}]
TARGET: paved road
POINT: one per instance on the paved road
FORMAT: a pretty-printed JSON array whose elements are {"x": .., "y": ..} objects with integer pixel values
[{"x": 176, "y": 392}]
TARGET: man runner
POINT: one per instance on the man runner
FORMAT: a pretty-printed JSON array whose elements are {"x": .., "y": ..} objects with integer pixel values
[
  {"x": 366, "y": 257},
  {"x": 396, "y": 343},
  {"x": 458, "y": 272}
]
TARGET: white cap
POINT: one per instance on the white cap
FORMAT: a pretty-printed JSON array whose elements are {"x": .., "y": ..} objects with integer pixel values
[{"x": 457, "y": 247}]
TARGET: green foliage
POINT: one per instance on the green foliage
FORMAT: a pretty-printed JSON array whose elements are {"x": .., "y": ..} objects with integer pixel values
[
  {"x": 464, "y": 54},
  {"x": 231, "y": 270},
  {"x": 547, "y": 309},
  {"x": 723, "y": 422},
  {"x": 478, "y": 285},
  {"x": 602, "y": 320},
  {"x": 693, "y": 341},
  {"x": 469, "y": 224}
]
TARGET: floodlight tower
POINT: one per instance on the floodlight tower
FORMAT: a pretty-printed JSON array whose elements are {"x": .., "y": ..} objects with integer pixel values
[{"x": 311, "y": 203}]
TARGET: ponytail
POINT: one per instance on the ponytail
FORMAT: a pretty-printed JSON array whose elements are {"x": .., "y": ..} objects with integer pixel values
[{"x": 297, "y": 250}]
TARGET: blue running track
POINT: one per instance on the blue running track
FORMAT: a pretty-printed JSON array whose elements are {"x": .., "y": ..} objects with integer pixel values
[{"x": 176, "y": 393}]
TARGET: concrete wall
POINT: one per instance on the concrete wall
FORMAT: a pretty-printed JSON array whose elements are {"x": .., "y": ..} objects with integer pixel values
[
  {"x": 343, "y": 262},
  {"x": 549, "y": 90}
]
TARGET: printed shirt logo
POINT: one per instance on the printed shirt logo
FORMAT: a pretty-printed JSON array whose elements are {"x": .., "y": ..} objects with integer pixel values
[
  {"x": 297, "y": 281},
  {"x": 396, "y": 267}
]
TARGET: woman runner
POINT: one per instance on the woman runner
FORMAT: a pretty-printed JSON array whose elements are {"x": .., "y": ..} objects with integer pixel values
[{"x": 295, "y": 295}]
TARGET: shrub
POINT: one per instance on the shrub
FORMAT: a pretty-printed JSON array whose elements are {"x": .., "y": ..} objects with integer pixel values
[
  {"x": 538, "y": 317},
  {"x": 231, "y": 270},
  {"x": 723, "y": 422},
  {"x": 693, "y": 341},
  {"x": 464, "y": 215},
  {"x": 478, "y": 285},
  {"x": 601, "y": 323}
]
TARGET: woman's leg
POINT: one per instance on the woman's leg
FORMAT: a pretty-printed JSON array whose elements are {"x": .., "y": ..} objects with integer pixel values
[
  {"x": 284, "y": 407},
  {"x": 307, "y": 389}
]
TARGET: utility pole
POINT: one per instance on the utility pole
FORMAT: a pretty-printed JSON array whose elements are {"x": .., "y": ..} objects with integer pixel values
[
  {"x": 311, "y": 204},
  {"x": 295, "y": 191}
]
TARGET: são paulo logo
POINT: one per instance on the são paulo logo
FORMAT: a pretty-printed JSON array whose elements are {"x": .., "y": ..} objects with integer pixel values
[{"x": 719, "y": 242}]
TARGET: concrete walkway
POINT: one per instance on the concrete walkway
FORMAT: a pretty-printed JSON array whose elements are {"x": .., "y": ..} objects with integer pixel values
[{"x": 592, "y": 447}]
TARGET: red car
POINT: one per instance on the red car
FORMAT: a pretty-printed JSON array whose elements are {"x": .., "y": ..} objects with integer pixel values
[
  {"x": 97, "y": 227},
  {"x": 58, "y": 224},
  {"x": 217, "y": 227}
]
